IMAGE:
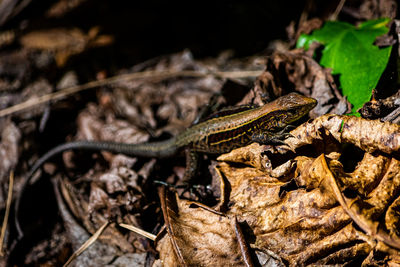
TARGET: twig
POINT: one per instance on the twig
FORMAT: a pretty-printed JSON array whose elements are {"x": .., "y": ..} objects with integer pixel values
[
  {"x": 85, "y": 245},
  {"x": 125, "y": 77},
  {"x": 393, "y": 117},
  {"x": 338, "y": 9},
  {"x": 138, "y": 231},
  {"x": 7, "y": 213}
]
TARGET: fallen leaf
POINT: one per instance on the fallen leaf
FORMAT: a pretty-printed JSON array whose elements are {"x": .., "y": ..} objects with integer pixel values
[
  {"x": 318, "y": 213},
  {"x": 198, "y": 237},
  {"x": 369, "y": 135},
  {"x": 64, "y": 42}
]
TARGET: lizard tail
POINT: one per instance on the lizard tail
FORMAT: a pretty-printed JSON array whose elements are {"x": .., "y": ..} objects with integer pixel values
[{"x": 155, "y": 149}]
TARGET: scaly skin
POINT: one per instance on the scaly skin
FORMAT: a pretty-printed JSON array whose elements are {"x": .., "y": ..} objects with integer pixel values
[{"x": 217, "y": 135}]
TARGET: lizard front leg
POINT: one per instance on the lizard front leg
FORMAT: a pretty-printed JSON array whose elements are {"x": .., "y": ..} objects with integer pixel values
[{"x": 269, "y": 137}]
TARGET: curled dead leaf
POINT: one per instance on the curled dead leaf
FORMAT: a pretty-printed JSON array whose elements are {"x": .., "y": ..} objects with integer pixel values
[
  {"x": 316, "y": 218},
  {"x": 249, "y": 155},
  {"x": 359, "y": 210},
  {"x": 299, "y": 225},
  {"x": 369, "y": 135},
  {"x": 199, "y": 237},
  {"x": 392, "y": 218},
  {"x": 366, "y": 175}
]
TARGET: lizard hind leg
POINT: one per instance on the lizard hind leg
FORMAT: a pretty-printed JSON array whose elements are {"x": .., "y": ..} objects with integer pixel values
[
  {"x": 191, "y": 170},
  {"x": 189, "y": 181},
  {"x": 192, "y": 166}
]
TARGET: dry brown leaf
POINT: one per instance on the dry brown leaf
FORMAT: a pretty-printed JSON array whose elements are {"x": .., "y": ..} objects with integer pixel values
[
  {"x": 198, "y": 237},
  {"x": 249, "y": 155},
  {"x": 392, "y": 218},
  {"x": 150, "y": 103},
  {"x": 54, "y": 39},
  {"x": 285, "y": 222},
  {"x": 359, "y": 210},
  {"x": 93, "y": 127},
  {"x": 386, "y": 181},
  {"x": 64, "y": 42},
  {"x": 366, "y": 175},
  {"x": 369, "y": 135},
  {"x": 10, "y": 137},
  {"x": 312, "y": 221},
  {"x": 98, "y": 199},
  {"x": 100, "y": 252},
  {"x": 89, "y": 213},
  {"x": 166, "y": 252},
  {"x": 121, "y": 193},
  {"x": 253, "y": 155}
]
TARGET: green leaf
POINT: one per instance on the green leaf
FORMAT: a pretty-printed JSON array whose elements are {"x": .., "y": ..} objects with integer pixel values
[{"x": 349, "y": 51}]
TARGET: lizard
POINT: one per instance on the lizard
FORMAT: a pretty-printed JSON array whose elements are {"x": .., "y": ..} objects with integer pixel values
[{"x": 217, "y": 135}]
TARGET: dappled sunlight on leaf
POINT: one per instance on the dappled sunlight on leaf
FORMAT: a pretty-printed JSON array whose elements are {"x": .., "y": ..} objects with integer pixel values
[
  {"x": 198, "y": 237},
  {"x": 349, "y": 51},
  {"x": 327, "y": 215}
]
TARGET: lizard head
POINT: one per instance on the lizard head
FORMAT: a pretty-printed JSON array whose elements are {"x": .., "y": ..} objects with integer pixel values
[
  {"x": 295, "y": 106},
  {"x": 288, "y": 108}
]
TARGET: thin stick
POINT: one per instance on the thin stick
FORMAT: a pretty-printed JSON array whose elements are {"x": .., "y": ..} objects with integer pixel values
[
  {"x": 338, "y": 9},
  {"x": 7, "y": 213},
  {"x": 88, "y": 243},
  {"x": 125, "y": 77},
  {"x": 138, "y": 231}
]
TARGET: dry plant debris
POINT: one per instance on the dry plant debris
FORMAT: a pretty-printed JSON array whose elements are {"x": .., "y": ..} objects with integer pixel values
[
  {"x": 298, "y": 70},
  {"x": 296, "y": 203},
  {"x": 121, "y": 191},
  {"x": 329, "y": 196},
  {"x": 199, "y": 237},
  {"x": 328, "y": 215},
  {"x": 64, "y": 42}
]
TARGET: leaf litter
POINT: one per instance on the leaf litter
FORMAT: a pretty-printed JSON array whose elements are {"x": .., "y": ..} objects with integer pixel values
[
  {"x": 318, "y": 219},
  {"x": 309, "y": 221},
  {"x": 330, "y": 195},
  {"x": 198, "y": 236},
  {"x": 309, "y": 210}
]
